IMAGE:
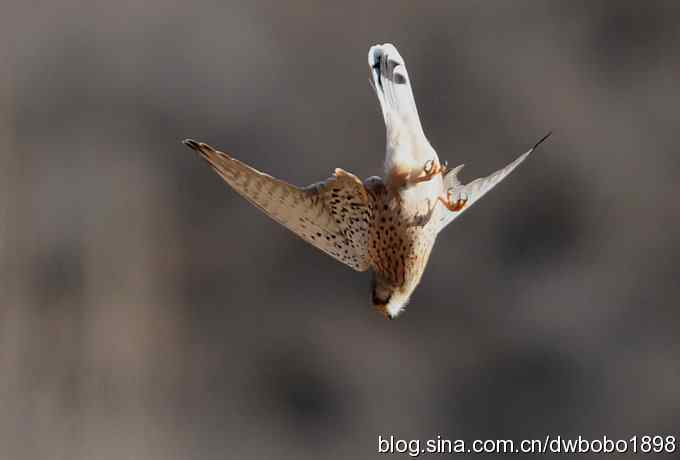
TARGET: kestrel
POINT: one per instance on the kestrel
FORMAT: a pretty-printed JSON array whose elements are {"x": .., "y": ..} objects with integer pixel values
[{"x": 388, "y": 225}]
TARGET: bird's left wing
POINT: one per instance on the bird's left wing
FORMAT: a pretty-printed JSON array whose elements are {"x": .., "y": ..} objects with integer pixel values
[
  {"x": 468, "y": 194},
  {"x": 332, "y": 215}
]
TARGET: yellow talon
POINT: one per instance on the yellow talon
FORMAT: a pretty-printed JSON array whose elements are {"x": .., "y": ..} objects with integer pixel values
[
  {"x": 430, "y": 169},
  {"x": 453, "y": 207}
]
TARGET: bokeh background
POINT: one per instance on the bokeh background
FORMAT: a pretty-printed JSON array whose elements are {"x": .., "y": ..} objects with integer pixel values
[{"x": 148, "y": 312}]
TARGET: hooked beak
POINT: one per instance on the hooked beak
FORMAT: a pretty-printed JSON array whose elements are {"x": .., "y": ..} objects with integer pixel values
[{"x": 382, "y": 309}]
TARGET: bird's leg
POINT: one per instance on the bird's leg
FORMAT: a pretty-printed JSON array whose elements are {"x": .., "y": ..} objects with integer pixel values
[
  {"x": 431, "y": 169},
  {"x": 451, "y": 206},
  {"x": 421, "y": 220},
  {"x": 402, "y": 178}
]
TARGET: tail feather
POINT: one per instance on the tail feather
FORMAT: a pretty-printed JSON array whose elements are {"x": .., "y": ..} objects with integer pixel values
[{"x": 392, "y": 85}]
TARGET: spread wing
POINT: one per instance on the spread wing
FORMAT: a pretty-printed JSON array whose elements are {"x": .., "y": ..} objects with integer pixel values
[
  {"x": 476, "y": 189},
  {"x": 332, "y": 215}
]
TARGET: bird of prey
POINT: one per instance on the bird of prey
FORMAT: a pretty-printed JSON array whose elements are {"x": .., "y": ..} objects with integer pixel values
[{"x": 388, "y": 225}]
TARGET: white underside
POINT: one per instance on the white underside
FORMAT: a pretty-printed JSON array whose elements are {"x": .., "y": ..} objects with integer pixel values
[
  {"x": 407, "y": 147},
  {"x": 394, "y": 309},
  {"x": 397, "y": 303}
]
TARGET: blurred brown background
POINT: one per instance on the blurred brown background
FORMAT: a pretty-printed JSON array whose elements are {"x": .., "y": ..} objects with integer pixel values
[{"x": 148, "y": 312}]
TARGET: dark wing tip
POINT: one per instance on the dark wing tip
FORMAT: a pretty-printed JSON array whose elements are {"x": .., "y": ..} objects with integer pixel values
[
  {"x": 192, "y": 144},
  {"x": 204, "y": 150},
  {"x": 541, "y": 141}
]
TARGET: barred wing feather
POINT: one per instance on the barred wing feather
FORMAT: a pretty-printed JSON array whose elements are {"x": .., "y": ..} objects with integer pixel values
[{"x": 332, "y": 215}]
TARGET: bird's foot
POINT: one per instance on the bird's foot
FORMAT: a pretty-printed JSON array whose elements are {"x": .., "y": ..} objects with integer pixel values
[
  {"x": 452, "y": 206},
  {"x": 431, "y": 169},
  {"x": 421, "y": 220}
]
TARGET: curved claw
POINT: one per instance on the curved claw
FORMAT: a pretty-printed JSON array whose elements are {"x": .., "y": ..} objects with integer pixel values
[
  {"x": 429, "y": 167},
  {"x": 453, "y": 207}
]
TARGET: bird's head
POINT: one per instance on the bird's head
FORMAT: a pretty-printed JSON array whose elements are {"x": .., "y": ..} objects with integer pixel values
[{"x": 387, "y": 299}]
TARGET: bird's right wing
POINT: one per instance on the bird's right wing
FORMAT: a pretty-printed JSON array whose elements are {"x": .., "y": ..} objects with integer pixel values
[
  {"x": 473, "y": 191},
  {"x": 332, "y": 215}
]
